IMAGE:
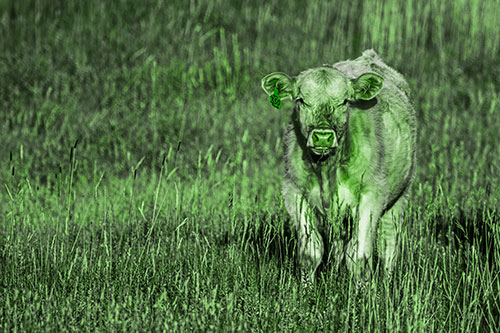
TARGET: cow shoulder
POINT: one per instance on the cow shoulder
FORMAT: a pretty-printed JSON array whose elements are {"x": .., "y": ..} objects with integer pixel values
[{"x": 369, "y": 61}]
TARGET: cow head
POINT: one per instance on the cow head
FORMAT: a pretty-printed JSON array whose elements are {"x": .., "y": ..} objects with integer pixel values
[{"x": 322, "y": 99}]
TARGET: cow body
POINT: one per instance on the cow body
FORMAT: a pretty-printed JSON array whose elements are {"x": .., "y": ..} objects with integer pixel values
[{"x": 350, "y": 151}]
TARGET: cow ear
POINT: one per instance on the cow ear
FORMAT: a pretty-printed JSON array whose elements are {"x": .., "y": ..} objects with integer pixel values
[
  {"x": 367, "y": 86},
  {"x": 279, "y": 80}
]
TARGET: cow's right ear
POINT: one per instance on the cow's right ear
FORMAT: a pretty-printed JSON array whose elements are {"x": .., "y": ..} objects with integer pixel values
[{"x": 279, "y": 80}]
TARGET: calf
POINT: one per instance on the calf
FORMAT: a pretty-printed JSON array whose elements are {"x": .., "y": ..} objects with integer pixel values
[{"x": 350, "y": 151}]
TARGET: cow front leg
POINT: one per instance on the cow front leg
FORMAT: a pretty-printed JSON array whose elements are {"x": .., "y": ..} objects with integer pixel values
[
  {"x": 310, "y": 244},
  {"x": 310, "y": 248},
  {"x": 360, "y": 247}
]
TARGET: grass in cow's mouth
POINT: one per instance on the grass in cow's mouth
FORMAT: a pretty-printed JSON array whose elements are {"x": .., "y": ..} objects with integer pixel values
[
  {"x": 320, "y": 151},
  {"x": 318, "y": 157},
  {"x": 130, "y": 230}
]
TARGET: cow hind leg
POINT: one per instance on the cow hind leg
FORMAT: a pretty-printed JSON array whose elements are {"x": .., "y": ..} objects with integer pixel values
[{"x": 389, "y": 230}]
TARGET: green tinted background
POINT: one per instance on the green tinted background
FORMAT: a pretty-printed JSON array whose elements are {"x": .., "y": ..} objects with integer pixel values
[{"x": 142, "y": 163}]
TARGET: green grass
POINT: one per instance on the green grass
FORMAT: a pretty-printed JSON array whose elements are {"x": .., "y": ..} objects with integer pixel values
[{"x": 142, "y": 166}]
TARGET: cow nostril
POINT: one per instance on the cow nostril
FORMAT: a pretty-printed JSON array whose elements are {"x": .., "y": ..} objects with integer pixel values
[{"x": 323, "y": 138}]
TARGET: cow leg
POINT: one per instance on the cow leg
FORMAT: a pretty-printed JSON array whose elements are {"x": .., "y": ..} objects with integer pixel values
[
  {"x": 310, "y": 244},
  {"x": 360, "y": 247},
  {"x": 388, "y": 233}
]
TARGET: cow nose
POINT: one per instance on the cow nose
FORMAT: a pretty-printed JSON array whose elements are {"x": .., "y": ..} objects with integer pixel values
[{"x": 323, "y": 138}]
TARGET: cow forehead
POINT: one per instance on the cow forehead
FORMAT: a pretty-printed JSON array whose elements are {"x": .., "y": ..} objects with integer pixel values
[{"x": 323, "y": 85}]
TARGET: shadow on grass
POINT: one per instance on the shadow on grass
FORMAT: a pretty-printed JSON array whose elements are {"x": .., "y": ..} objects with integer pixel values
[
  {"x": 271, "y": 235},
  {"x": 462, "y": 237},
  {"x": 475, "y": 228},
  {"x": 274, "y": 237},
  {"x": 470, "y": 235}
]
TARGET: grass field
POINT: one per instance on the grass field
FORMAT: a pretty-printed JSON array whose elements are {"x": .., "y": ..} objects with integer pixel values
[{"x": 141, "y": 166}]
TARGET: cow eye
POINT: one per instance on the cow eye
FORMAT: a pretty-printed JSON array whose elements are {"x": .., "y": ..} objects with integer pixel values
[
  {"x": 301, "y": 101},
  {"x": 344, "y": 103}
]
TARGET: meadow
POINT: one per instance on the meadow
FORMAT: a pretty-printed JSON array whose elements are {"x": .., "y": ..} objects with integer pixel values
[{"x": 141, "y": 166}]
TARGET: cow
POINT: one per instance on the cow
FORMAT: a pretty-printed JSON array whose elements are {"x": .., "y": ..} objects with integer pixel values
[{"x": 350, "y": 150}]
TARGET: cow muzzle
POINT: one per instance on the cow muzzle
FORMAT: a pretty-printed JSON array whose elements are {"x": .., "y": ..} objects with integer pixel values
[{"x": 322, "y": 140}]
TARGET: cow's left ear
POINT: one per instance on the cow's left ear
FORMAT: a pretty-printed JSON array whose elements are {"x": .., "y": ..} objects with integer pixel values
[
  {"x": 366, "y": 86},
  {"x": 279, "y": 80}
]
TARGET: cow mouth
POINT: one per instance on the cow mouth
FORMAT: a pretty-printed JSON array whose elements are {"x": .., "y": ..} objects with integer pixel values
[{"x": 321, "y": 151}]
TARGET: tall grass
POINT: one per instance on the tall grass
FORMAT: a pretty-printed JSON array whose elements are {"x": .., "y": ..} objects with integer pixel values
[{"x": 142, "y": 166}]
